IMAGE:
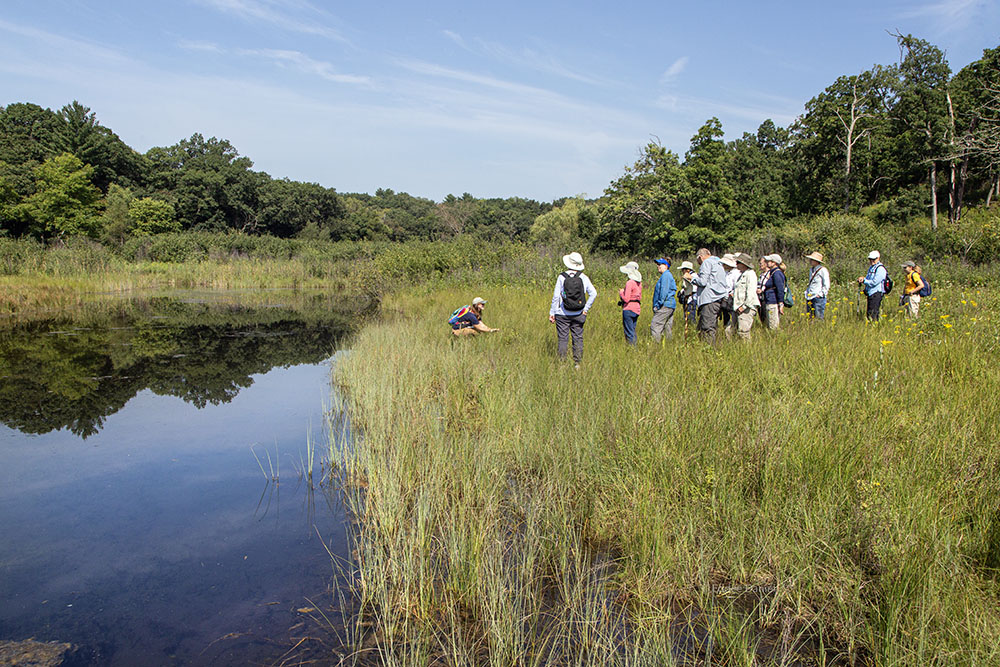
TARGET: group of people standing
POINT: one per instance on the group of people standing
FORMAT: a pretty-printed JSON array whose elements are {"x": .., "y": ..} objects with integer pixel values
[{"x": 724, "y": 290}]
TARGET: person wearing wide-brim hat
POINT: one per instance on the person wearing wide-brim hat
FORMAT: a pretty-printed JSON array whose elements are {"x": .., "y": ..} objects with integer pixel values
[
  {"x": 664, "y": 302},
  {"x": 732, "y": 275},
  {"x": 572, "y": 298},
  {"x": 817, "y": 287},
  {"x": 630, "y": 299},
  {"x": 688, "y": 292},
  {"x": 745, "y": 299}
]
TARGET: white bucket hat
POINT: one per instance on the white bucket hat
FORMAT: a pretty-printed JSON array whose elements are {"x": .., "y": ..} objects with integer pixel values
[
  {"x": 729, "y": 260},
  {"x": 687, "y": 265},
  {"x": 573, "y": 261},
  {"x": 631, "y": 269}
]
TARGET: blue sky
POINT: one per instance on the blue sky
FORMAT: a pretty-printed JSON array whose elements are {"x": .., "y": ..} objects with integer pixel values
[{"x": 533, "y": 99}]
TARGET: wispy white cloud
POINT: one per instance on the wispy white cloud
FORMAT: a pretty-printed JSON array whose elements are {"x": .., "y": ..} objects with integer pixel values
[
  {"x": 690, "y": 107},
  {"x": 304, "y": 63},
  {"x": 195, "y": 45},
  {"x": 292, "y": 15},
  {"x": 674, "y": 70},
  {"x": 455, "y": 37},
  {"x": 536, "y": 60},
  {"x": 948, "y": 15}
]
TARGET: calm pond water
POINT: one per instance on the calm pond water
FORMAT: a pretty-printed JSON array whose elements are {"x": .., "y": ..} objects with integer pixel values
[{"x": 136, "y": 522}]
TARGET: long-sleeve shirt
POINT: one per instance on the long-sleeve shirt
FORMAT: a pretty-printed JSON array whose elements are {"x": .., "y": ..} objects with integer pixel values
[
  {"x": 745, "y": 291},
  {"x": 632, "y": 296},
  {"x": 874, "y": 278},
  {"x": 665, "y": 292},
  {"x": 774, "y": 287},
  {"x": 557, "y": 308},
  {"x": 711, "y": 281},
  {"x": 819, "y": 283},
  {"x": 731, "y": 277}
]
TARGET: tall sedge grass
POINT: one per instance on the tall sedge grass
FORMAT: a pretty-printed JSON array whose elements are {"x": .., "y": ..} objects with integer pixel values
[{"x": 826, "y": 493}]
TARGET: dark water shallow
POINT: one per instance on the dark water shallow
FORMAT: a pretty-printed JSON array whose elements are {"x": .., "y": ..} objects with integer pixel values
[{"x": 135, "y": 522}]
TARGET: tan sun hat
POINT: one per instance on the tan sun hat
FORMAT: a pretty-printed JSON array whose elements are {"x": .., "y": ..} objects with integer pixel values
[
  {"x": 631, "y": 269},
  {"x": 729, "y": 260},
  {"x": 744, "y": 259},
  {"x": 687, "y": 265},
  {"x": 573, "y": 261},
  {"x": 816, "y": 256}
]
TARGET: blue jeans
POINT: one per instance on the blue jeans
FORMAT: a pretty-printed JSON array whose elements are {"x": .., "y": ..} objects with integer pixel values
[
  {"x": 816, "y": 307},
  {"x": 628, "y": 322}
]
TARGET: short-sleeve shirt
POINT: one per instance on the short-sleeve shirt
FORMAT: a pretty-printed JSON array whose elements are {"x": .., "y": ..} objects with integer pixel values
[{"x": 467, "y": 320}]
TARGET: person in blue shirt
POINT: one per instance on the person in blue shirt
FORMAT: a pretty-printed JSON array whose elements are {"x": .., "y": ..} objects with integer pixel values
[
  {"x": 664, "y": 302},
  {"x": 712, "y": 289},
  {"x": 772, "y": 294},
  {"x": 471, "y": 323},
  {"x": 873, "y": 283}
]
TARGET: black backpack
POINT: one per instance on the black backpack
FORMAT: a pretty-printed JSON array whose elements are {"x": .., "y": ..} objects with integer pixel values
[{"x": 574, "y": 296}]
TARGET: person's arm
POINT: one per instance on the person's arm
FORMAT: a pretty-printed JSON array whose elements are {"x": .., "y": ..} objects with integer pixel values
[
  {"x": 556, "y": 296},
  {"x": 919, "y": 284},
  {"x": 658, "y": 292},
  {"x": 701, "y": 278},
  {"x": 824, "y": 281},
  {"x": 671, "y": 288},
  {"x": 872, "y": 279},
  {"x": 591, "y": 294},
  {"x": 479, "y": 326}
]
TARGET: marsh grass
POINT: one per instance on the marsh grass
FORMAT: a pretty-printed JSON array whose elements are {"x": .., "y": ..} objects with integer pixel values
[{"x": 826, "y": 494}]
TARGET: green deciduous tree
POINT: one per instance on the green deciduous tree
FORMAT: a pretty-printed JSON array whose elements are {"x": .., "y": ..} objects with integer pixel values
[
  {"x": 65, "y": 201},
  {"x": 561, "y": 225},
  {"x": 152, "y": 216}
]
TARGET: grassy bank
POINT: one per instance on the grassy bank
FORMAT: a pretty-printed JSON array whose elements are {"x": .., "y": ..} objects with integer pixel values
[{"x": 827, "y": 493}]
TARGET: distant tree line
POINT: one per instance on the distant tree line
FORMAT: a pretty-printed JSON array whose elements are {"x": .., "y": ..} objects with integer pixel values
[
  {"x": 63, "y": 174},
  {"x": 891, "y": 144}
]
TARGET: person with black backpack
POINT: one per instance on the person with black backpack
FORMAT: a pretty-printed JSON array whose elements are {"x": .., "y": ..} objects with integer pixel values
[
  {"x": 572, "y": 298},
  {"x": 876, "y": 284}
]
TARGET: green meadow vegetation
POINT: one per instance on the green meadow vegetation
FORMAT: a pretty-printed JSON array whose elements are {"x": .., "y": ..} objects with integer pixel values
[{"x": 826, "y": 494}]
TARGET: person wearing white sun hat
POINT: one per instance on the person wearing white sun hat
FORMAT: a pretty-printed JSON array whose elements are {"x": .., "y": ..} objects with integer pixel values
[
  {"x": 873, "y": 284},
  {"x": 630, "y": 299},
  {"x": 572, "y": 298}
]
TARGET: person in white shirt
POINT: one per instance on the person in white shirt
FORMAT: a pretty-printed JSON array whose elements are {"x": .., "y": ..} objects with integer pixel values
[
  {"x": 745, "y": 299},
  {"x": 818, "y": 286}
]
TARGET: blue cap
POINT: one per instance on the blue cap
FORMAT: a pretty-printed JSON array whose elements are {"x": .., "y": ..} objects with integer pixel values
[{"x": 663, "y": 261}]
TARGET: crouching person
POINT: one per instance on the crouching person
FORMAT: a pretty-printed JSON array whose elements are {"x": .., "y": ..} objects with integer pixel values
[{"x": 468, "y": 320}]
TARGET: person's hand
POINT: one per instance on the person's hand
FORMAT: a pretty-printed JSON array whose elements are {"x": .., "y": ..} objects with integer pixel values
[
  {"x": 552, "y": 318},
  {"x": 740, "y": 311},
  {"x": 860, "y": 279}
]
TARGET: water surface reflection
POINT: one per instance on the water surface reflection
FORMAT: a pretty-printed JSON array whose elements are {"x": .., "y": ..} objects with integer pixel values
[{"x": 132, "y": 519}]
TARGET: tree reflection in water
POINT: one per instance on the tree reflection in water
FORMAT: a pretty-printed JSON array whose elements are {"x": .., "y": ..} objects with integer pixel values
[{"x": 74, "y": 369}]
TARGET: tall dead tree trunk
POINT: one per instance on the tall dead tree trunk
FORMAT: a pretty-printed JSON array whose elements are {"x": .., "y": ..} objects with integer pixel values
[
  {"x": 852, "y": 136},
  {"x": 934, "y": 205}
]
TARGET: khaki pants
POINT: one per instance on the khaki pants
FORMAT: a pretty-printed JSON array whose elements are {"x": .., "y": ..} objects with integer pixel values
[
  {"x": 773, "y": 317},
  {"x": 913, "y": 306},
  {"x": 744, "y": 321}
]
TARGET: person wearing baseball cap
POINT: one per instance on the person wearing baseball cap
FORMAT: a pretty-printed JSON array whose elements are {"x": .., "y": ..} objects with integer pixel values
[
  {"x": 910, "y": 298},
  {"x": 818, "y": 286},
  {"x": 873, "y": 284},
  {"x": 664, "y": 302},
  {"x": 470, "y": 322}
]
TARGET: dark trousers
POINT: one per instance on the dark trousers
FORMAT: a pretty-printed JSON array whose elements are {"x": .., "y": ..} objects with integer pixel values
[
  {"x": 566, "y": 325},
  {"x": 628, "y": 324},
  {"x": 708, "y": 320},
  {"x": 874, "y": 304}
]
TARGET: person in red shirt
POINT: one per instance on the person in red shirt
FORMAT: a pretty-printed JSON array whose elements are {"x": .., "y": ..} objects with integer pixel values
[{"x": 630, "y": 298}]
